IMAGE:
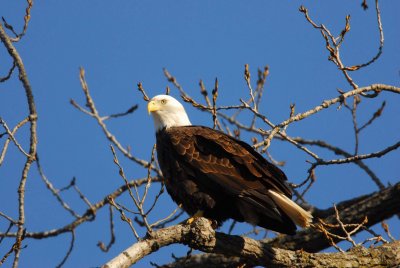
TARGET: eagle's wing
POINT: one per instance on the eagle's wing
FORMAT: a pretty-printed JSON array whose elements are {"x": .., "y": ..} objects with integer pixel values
[{"x": 227, "y": 161}]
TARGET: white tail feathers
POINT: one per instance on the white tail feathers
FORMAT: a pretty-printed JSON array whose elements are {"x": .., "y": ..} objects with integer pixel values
[{"x": 295, "y": 212}]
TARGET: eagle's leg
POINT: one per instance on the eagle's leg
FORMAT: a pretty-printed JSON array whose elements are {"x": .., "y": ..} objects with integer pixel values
[{"x": 198, "y": 214}]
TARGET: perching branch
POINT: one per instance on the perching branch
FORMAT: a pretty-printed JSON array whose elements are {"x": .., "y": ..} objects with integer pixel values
[
  {"x": 375, "y": 207},
  {"x": 201, "y": 236}
]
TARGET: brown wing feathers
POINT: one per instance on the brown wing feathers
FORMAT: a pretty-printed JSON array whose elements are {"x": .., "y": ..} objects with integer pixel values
[
  {"x": 229, "y": 170},
  {"x": 219, "y": 152}
]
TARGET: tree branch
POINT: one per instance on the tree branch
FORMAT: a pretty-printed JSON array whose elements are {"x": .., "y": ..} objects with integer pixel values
[
  {"x": 377, "y": 207},
  {"x": 356, "y": 257},
  {"x": 87, "y": 216},
  {"x": 308, "y": 239},
  {"x": 30, "y": 158},
  {"x": 201, "y": 236}
]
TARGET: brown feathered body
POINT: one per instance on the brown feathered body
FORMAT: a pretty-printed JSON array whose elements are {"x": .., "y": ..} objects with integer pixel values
[{"x": 207, "y": 170}]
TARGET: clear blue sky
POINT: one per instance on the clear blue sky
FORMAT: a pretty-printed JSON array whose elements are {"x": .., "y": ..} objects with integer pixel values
[{"x": 124, "y": 42}]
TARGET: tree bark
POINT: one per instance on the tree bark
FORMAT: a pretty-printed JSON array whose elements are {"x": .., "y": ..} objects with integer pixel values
[
  {"x": 387, "y": 255},
  {"x": 283, "y": 251},
  {"x": 201, "y": 236}
]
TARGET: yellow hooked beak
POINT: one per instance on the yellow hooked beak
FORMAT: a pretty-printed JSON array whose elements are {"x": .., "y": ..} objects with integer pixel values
[{"x": 152, "y": 106}]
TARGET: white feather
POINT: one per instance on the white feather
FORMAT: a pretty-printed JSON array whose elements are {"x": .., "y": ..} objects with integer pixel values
[{"x": 295, "y": 212}]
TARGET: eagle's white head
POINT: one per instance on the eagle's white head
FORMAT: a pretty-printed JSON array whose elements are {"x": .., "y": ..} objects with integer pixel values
[{"x": 167, "y": 112}]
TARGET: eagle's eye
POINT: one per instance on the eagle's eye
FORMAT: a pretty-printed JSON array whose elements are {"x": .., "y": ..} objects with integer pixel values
[{"x": 164, "y": 101}]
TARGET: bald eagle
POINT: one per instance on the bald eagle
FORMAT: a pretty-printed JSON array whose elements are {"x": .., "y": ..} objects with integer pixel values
[{"x": 219, "y": 177}]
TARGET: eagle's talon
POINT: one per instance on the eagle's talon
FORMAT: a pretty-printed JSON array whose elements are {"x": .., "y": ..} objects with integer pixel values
[
  {"x": 190, "y": 220},
  {"x": 198, "y": 214}
]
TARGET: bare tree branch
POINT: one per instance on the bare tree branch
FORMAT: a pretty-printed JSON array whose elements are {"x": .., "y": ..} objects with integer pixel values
[
  {"x": 201, "y": 236},
  {"x": 23, "y": 77},
  {"x": 87, "y": 216},
  {"x": 100, "y": 120},
  {"x": 376, "y": 207}
]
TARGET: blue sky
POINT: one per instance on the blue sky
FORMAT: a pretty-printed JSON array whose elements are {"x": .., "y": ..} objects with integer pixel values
[{"x": 124, "y": 42}]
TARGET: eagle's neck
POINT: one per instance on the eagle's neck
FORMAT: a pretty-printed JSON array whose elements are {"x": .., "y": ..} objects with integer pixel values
[{"x": 165, "y": 120}]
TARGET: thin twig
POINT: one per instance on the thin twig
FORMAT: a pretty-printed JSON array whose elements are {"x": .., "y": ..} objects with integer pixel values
[
  {"x": 158, "y": 223},
  {"x": 10, "y": 225},
  {"x": 10, "y": 134},
  {"x": 146, "y": 189},
  {"x": 53, "y": 190},
  {"x": 332, "y": 45},
  {"x": 360, "y": 157},
  {"x": 381, "y": 42},
  {"x": 3, "y": 152},
  {"x": 214, "y": 101},
  {"x": 173, "y": 80},
  {"x": 11, "y": 220},
  {"x": 340, "y": 151},
  {"x": 141, "y": 89},
  {"x": 82, "y": 196},
  {"x": 124, "y": 218},
  {"x": 27, "y": 18},
  {"x": 248, "y": 82},
  {"x": 71, "y": 247},
  {"x": 376, "y": 115},
  {"x": 8, "y": 76},
  {"x": 100, "y": 244},
  {"x": 129, "y": 111},
  {"x": 136, "y": 201},
  {"x": 385, "y": 227},
  {"x": 156, "y": 198}
]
